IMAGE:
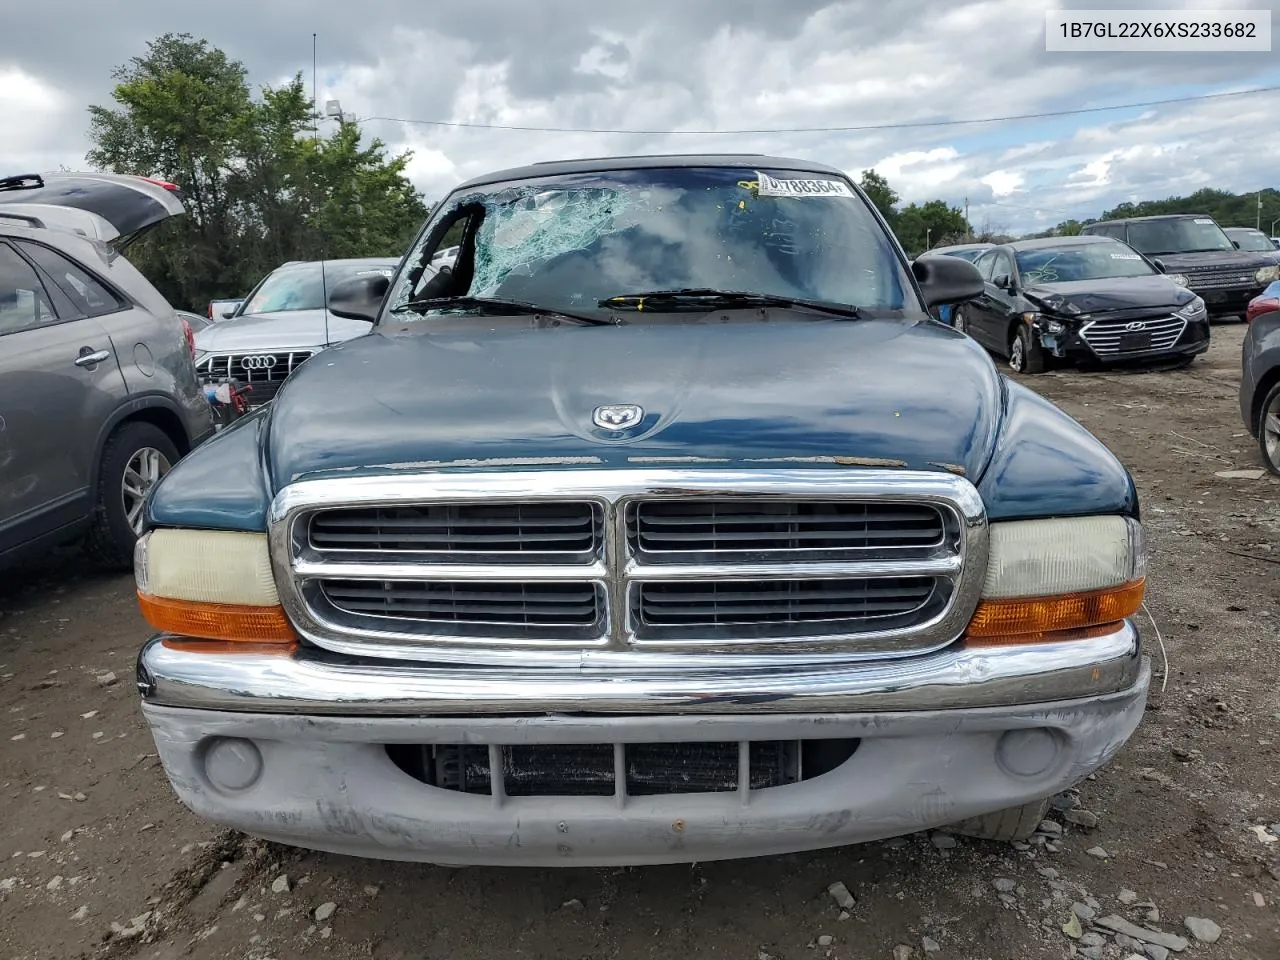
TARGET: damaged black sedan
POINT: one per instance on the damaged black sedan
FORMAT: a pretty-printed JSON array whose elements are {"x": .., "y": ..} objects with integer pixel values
[{"x": 1082, "y": 299}]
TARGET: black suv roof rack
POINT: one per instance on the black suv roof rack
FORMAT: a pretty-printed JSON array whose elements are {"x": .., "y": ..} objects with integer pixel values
[{"x": 23, "y": 181}]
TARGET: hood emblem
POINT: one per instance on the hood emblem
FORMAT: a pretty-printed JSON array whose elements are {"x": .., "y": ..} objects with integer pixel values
[
  {"x": 262, "y": 362},
  {"x": 1136, "y": 325},
  {"x": 617, "y": 416}
]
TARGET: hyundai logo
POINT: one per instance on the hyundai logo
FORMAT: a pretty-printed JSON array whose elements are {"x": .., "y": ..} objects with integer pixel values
[
  {"x": 1136, "y": 325},
  {"x": 617, "y": 416},
  {"x": 263, "y": 362}
]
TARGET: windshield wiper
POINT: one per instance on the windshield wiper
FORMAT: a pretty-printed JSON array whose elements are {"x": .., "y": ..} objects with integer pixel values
[
  {"x": 706, "y": 297},
  {"x": 495, "y": 304}
]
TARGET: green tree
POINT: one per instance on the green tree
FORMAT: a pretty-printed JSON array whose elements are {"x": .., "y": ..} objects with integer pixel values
[
  {"x": 259, "y": 187},
  {"x": 934, "y": 223},
  {"x": 881, "y": 195}
]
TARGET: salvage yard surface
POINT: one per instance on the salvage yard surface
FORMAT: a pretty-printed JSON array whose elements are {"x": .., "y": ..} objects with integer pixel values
[{"x": 97, "y": 859}]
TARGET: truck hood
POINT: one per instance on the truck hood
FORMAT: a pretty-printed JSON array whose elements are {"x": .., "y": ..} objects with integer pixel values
[
  {"x": 1118, "y": 293},
  {"x": 861, "y": 393},
  {"x": 276, "y": 332}
]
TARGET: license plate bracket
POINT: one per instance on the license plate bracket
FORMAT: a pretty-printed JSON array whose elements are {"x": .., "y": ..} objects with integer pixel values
[{"x": 1135, "y": 341}]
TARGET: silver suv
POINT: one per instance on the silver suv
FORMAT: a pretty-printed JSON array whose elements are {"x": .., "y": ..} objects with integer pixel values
[
  {"x": 281, "y": 325},
  {"x": 98, "y": 390}
]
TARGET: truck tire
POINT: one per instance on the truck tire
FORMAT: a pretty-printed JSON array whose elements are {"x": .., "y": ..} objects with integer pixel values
[
  {"x": 1004, "y": 826},
  {"x": 135, "y": 456},
  {"x": 1025, "y": 355}
]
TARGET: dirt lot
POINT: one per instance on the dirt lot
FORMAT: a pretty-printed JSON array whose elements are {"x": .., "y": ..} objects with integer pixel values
[{"x": 98, "y": 860}]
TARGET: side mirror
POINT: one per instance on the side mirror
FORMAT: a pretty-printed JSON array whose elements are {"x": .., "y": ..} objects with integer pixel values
[
  {"x": 947, "y": 280},
  {"x": 359, "y": 298},
  {"x": 229, "y": 311},
  {"x": 1159, "y": 265}
]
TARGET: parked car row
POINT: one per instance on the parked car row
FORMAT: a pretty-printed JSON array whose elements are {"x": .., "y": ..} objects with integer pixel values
[{"x": 1140, "y": 290}]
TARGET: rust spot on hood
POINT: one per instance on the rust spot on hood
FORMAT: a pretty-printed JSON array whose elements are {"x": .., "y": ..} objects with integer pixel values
[{"x": 955, "y": 468}]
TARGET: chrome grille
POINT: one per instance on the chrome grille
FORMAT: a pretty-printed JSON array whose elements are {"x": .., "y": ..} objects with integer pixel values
[
  {"x": 1109, "y": 338},
  {"x": 851, "y": 600},
  {"x": 513, "y": 532},
  {"x": 781, "y": 529},
  {"x": 1220, "y": 278},
  {"x": 264, "y": 374},
  {"x": 733, "y": 565},
  {"x": 455, "y": 602}
]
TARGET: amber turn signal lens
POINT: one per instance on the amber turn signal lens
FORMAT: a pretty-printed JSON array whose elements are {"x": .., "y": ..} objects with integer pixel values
[
  {"x": 1015, "y": 618},
  {"x": 234, "y": 623}
]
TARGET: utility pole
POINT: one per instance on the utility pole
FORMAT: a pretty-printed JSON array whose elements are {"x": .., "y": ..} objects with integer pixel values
[
  {"x": 315, "y": 95},
  {"x": 1258, "y": 224},
  {"x": 967, "y": 229}
]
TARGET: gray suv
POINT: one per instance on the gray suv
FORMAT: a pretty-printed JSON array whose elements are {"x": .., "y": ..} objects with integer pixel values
[{"x": 98, "y": 389}]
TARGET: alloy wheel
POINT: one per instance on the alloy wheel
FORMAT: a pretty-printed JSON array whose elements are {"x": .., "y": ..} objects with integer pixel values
[
  {"x": 1271, "y": 433},
  {"x": 144, "y": 470},
  {"x": 1017, "y": 356}
]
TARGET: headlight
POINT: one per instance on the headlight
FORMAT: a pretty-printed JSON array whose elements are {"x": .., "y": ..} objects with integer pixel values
[
  {"x": 1051, "y": 577},
  {"x": 1179, "y": 279},
  {"x": 210, "y": 585},
  {"x": 1268, "y": 274},
  {"x": 1054, "y": 326},
  {"x": 200, "y": 355},
  {"x": 1192, "y": 310}
]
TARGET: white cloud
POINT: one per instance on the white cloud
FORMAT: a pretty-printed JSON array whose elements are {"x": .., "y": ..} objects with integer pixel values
[{"x": 677, "y": 65}]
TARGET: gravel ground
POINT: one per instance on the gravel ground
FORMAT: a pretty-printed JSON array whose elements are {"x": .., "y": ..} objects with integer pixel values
[{"x": 98, "y": 860}]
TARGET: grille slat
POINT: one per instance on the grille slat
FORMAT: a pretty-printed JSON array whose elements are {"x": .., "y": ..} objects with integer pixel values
[
  {"x": 525, "y": 604},
  {"x": 780, "y": 528},
  {"x": 786, "y": 601},
  {"x": 542, "y": 529}
]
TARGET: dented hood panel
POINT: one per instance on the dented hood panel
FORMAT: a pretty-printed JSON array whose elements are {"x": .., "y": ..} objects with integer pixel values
[{"x": 874, "y": 392}]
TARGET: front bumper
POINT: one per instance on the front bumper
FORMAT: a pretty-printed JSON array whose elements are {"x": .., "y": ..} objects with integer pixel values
[
  {"x": 1069, "y": 345},
  {"x": 1229, "y": 301},
  {"x": 941, "y": 738}
]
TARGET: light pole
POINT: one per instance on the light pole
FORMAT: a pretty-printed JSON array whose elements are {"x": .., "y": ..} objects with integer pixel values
[{"x": 1273, "y": 225}]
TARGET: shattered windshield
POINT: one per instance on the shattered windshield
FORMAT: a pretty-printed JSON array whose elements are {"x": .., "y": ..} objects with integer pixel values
[{"x": 569, "y": 242}]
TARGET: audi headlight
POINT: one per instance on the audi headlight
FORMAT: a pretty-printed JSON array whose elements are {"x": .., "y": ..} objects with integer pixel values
[
  {"x": 1193, "y": 310},
  {"x": 1268, "y": 274},
  {"x": 200, "y": 355},
  {"x": 210, "y": 585},
  {"x": 1059, "y": 578},
  {"x": 1179, "y": 279}
]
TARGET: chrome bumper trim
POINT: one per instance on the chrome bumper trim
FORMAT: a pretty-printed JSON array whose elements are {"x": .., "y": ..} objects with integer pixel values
[{"x": 314, "y": 682}]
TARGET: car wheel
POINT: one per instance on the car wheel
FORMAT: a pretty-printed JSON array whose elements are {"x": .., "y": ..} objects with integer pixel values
[
  {"x": 959, "y": 321},
  {"x": 1269, "y": 430},
  {"x": 1025, "y": 356},
  {"x": 1004, "y": 826},
  {"x": 136, "y": 456}
]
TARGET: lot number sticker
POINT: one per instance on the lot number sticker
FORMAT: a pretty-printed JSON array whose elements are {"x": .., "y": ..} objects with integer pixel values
[{"x": 772, "y": 187}]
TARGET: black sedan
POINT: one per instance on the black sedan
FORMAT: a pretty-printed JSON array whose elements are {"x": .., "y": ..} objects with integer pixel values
[{"x": 1089, "y": 299}]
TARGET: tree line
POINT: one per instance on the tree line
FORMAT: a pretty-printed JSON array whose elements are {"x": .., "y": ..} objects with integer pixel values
[{"x": 261, "y": 184}]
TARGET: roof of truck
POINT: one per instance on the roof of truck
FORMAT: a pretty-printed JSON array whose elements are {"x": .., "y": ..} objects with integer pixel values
[{"x": 748, "y": 161}]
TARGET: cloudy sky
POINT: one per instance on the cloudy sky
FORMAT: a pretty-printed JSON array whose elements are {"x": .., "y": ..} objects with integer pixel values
[{"x": 705, "y": 65}]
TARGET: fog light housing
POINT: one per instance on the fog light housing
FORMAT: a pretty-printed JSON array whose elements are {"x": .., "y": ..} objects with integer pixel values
[
  {"x": 232, "y": 763},
  {"x": 1028, "y": 753}
]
